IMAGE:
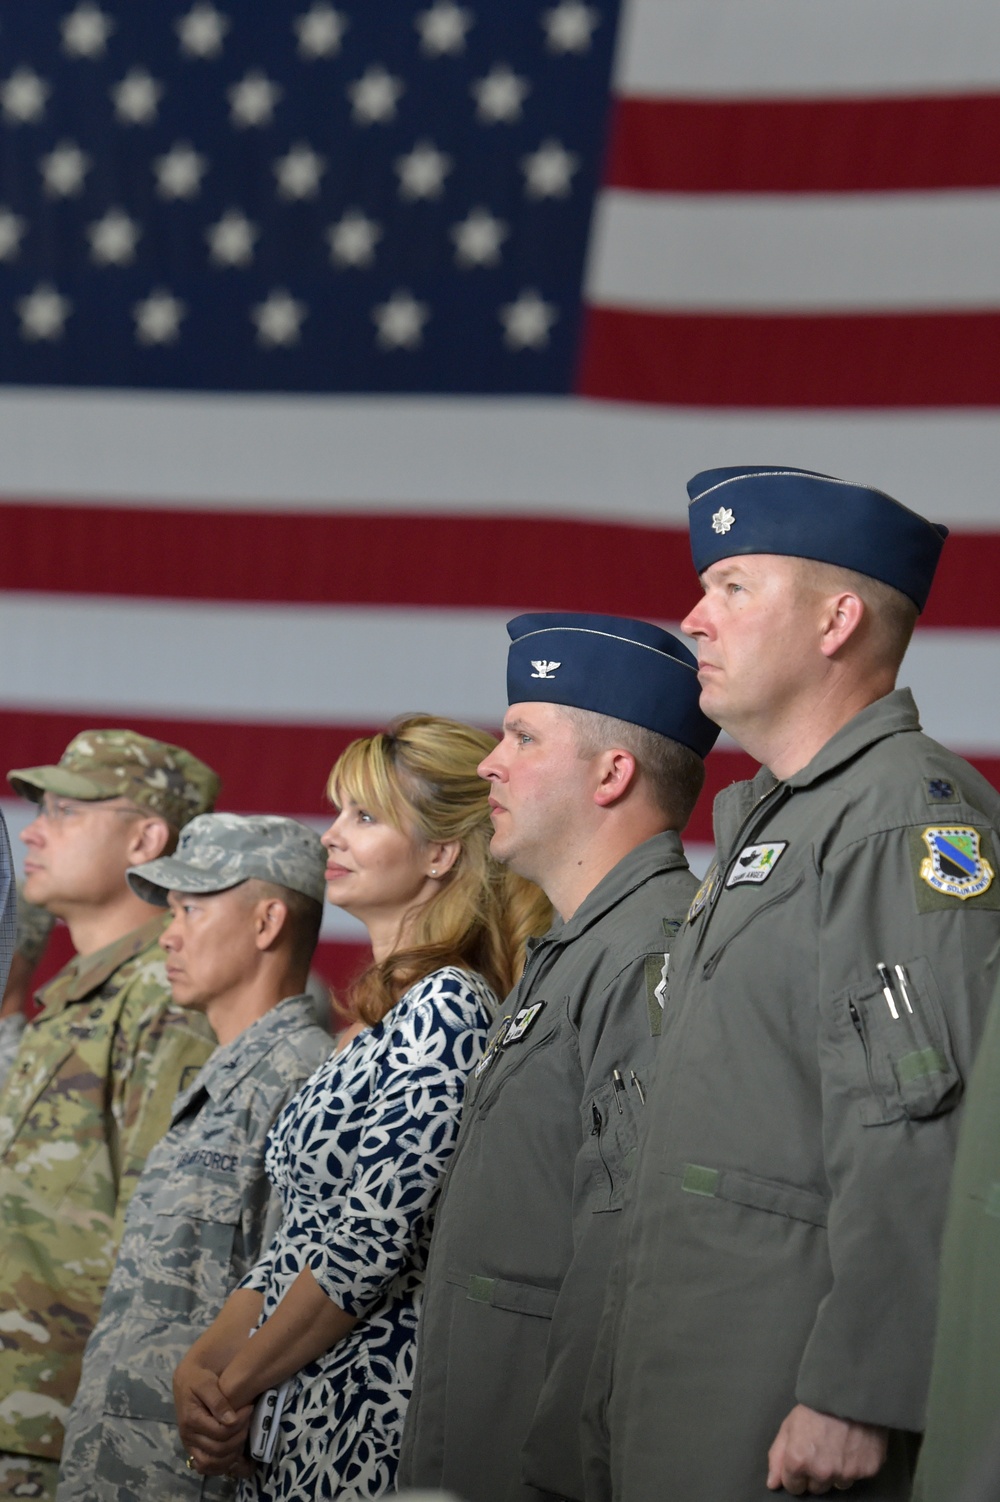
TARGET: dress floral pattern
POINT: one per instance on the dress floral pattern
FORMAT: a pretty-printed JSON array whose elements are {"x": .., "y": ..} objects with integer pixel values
[{"x": 358, "y": 1157}]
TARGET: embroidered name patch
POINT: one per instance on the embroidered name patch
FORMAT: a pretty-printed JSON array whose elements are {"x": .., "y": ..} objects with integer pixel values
[
  {"x": 755, "y": 863},
  {"x": 525, "y": 1019},
  {"x": 954, "y": 863}
]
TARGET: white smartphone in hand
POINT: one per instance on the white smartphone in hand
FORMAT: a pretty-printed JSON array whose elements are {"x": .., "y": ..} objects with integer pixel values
[{"x": 264, "y": 1422}]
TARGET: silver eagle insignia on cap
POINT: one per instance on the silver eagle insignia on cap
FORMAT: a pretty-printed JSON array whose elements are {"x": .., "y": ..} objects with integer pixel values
[{"x": 544, "y": 669}]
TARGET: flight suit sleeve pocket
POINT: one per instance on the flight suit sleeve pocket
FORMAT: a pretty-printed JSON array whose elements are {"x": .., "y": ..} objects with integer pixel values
[
  {"x": 611, "y": 1128},
  {"x": 903, "y": 1058}
]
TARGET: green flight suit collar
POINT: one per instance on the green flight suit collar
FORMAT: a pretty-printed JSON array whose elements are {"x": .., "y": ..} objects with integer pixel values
[
  {"x": 893, "y": 713},
  {"x": 84, "y": 974},
  {"x": 664, "y": 852},
  {"x": 228, "y": 1065}
]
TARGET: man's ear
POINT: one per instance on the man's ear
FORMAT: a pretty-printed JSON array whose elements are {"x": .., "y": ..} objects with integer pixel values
[
  {"x": 842, "y": 615},
  {"x": 617, "y": 770},
  {"x": 150, "y": 837},
  {"x": 270, "y": 917}
]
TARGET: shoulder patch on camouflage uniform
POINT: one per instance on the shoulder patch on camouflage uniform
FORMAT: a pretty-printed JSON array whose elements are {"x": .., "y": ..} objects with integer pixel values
[
  {"x": 657, "y": 966},
  {"x": 951, "y": 863}
]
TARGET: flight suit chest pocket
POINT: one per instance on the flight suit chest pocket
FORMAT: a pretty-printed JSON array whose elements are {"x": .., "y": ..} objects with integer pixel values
[
  {"x": 515, "y": 1051},
  {"x": 611, "y": 1125},
  {"x": 901, "y": 1063}
]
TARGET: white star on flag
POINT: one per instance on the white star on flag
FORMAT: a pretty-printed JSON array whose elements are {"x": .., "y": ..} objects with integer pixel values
[
  {"x": 569, "y": 26},
  {"x": 320, "y": 31},
  {"x": 353, "y": 239},
  {"x": 113, "y": 239},
  {"x": 527, "y": 321},
  {"x": 202, "y": 31},
  {"x": 278, "y": 318},
  {"x": 63, "y": 170},
  {"x": 548, "y": 172},
  {"x": 23, "y": 96},
  {"x": 231, "y": 239},
  {"x": 12, "y": 228},
  {"x": 374, "y": 96},
  {"x": 500, "y": 95},
  {"x": 180, "y": 171},
  {"x": 442, "y": 28},
  {"x": 299, "y": 172},
  {"x": 137, "y": 97},
  {"x": 85, "y": 31},
  {"x": 43, "y": 313},
  {"x": 400, "y": 321},
  {"x": 422, "y": 171},
  {"x": 158, "y": 317},
  {"x": 478, "y": 238},
  {"x": 252, "y": 100}
]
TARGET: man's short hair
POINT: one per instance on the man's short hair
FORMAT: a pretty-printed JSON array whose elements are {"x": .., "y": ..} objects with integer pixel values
[
  {"x": 305, "y": 915},
  {"x": 674, "y": 774},
  {"x": 891, "y": 614}
]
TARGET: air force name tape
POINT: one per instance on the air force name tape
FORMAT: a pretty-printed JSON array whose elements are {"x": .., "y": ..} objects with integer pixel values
[
  {"x": 628, "y": 669},
  {"x": 802, "y": 514}
]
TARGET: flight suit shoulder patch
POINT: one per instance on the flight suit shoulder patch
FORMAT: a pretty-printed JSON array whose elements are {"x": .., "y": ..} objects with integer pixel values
[
  {"x": 954, "y": 865},
  {"x": 657, "y": 966},
  {"x": 939, "y": 790}
]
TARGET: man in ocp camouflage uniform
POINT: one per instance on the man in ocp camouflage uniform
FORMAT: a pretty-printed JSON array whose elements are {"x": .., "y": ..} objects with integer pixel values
[
  {"x": 96, "y": 1073},
  {"x": 246, "y": 900}
]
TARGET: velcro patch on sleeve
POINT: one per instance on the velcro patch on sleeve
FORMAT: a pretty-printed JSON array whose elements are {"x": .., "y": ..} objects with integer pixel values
[{"x": 954, "y": 865}]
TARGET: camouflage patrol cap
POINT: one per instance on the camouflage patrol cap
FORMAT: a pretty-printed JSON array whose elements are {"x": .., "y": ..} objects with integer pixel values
[
  {"x": 219, "y": 851},
  {"x": 154, "y": 775}
]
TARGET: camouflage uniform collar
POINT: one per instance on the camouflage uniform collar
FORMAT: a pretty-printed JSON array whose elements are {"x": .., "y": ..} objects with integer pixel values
[
  {"x": 893, "y": 713},
  {"x": 85, "y": 973},
  {"x": 230, "y": 1064}
]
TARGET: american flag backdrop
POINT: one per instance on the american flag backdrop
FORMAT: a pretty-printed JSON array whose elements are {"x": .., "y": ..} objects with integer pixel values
[{"x": 331, "y": 335}]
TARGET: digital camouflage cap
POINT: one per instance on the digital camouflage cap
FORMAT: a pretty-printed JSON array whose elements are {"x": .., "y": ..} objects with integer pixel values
[
  {"x": 219, "y": 851},
  {"x": 154, "y": 775}
]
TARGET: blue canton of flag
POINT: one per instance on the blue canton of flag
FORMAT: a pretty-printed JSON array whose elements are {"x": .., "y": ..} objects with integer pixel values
[{"x": 305, "y": 197}]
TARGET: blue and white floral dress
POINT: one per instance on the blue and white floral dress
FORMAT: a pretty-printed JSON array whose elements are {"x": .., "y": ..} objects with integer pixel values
[{"x": 358, "y": 1157}]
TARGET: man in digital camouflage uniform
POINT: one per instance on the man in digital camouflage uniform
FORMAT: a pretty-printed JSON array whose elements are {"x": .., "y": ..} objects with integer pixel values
[
  {"x": 779, "y": 1259},
  {"x": 246, "y": 900},
  {"x": 93, "y": 1084},
  {"x": 599, "y": 767},
  {"x": 34, "y": 925}
]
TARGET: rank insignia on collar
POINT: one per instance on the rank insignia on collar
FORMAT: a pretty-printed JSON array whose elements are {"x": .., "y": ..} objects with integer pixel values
[
  {"x": 755, "y": 863},
  {"x": 493, "y": 1048},
  {"x": 525, "y": 1019},
  {"x": 954, "y": 864}
]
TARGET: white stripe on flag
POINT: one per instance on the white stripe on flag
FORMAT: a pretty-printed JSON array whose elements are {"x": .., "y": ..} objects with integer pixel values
[
  {"x": 486, "y": 456},
  {"x": 784, "y": 48},
  {"x": 315, "y": 665},
  {"x": 802, "y": 252}
]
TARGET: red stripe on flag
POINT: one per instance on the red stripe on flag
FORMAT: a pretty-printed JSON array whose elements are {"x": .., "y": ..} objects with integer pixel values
[
  {"x": 792, "y": 360},
  {"x": 804, "y": 145},
  {"x": 283, "y": 768},
  {"x": 475, "y": 562},
  {"x": 444, "y": 561}
]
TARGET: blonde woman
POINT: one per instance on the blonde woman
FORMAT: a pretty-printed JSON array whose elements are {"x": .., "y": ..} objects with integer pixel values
[{"x": 359, "y": 1154}]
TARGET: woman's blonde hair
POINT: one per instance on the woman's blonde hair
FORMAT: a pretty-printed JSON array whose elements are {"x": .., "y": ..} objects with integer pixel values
[{"x": 420, "y": 776}]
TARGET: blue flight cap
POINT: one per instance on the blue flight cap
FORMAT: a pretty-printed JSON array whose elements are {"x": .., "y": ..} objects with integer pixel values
[
  {"x": 630, "y": 670},
  {"x": 801, "y": 514}
]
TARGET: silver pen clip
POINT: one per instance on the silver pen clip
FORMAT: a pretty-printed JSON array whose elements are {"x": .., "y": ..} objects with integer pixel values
[
  {"x": 901, "y": 973},
  {"x": 887, "y": 990}
]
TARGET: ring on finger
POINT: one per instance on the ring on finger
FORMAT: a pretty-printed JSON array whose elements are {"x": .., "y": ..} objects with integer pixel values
[{"x": 191, "y": 1463}]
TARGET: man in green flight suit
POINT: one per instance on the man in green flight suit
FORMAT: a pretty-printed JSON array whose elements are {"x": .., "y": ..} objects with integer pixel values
[
  {"x": 596, "y": 775},
  {"x": 772, "y": 1323},
  {"x": 96, "y": 1072}
]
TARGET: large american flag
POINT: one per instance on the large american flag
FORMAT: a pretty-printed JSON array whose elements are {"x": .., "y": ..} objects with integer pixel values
[{"x": 333, "y": 334}]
